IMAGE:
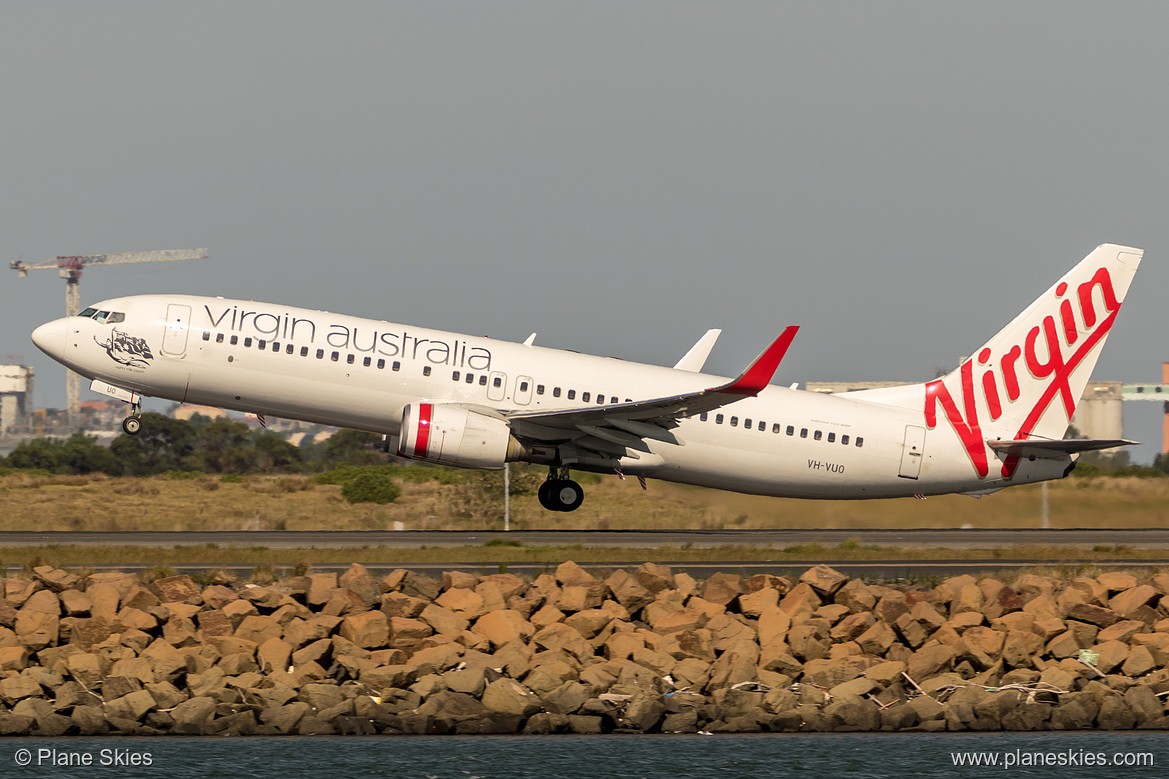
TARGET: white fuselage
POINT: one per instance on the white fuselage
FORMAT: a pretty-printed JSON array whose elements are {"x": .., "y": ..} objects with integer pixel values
[{"x": 359, "y": 373}]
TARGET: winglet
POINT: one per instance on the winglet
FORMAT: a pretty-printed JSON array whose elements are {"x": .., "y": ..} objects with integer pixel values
[
  {"x": 694, "y": 359},
  {"x": 759, "y": 373}
]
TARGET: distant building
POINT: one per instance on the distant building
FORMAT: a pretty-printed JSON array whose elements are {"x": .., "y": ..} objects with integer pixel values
[
  {"x": 211, "y": 412},
  {"x": 15, "y": 397}
]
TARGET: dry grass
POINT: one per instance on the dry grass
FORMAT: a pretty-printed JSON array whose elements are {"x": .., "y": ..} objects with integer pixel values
[{"x": 101, "y": 503}]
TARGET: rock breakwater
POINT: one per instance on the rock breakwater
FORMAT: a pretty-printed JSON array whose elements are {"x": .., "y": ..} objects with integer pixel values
[{"x": 646, "y": 650}]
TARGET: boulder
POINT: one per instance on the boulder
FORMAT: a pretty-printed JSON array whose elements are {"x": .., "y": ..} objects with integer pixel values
[
  {"x": 368, "y": 630},
  {"x": 506, "y": 696},
  {"x": 655, "y": 578},
  {"x": 824, "y": 579},
  {"x": 1130, "y": 600},
  {"x": 562, "y": 637},
  {"x": 176, "y": 589},
  {"x": 504, "y": 626},
  {"x": 929, "y": 660},
  {"x": 628, "y": 591},
  {"x": 643, "y": 712},
  {"x": 192, "y": 717}
]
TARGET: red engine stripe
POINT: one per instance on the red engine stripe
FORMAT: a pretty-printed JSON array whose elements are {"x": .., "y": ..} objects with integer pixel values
[{"x": 422, "y": 437}]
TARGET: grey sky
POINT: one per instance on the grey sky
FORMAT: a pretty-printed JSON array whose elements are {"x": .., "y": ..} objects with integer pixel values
[{"x": 898, "y": 178}]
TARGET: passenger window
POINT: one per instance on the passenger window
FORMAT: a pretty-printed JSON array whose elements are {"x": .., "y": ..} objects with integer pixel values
[
  {"x": 116, "y": 318},
  {"x": 349, "y": 359},
  {"x": 817, "y": 435},
  {"x": 556, "y": 392},
  {"x": 497, "y": 382},
  {"x": 832, "y": 438},
  {"x": 844, "y": 439},
  {"x": 523, "y": 386},
  {"x": 365, "y": 363},
  {"x": 381, "y": 364},
  {"x": 219, "y": 338},
  {"x": 572, "y": 394},
  {"x": 304, "y": 351},
  {"x": 275, "y": 346},
  {"x": 584, "y": 396},
  {"x": 539, "y": 389},
  {"x": 248, "y": 341},
  {"x": 860, "y": 441},
  {"x": 335, "y": 356},
  {"x": 206, "y": 335},
  {"x": 747, "y": 423},
  {"x": 791, "y": 430},
  {"x": 702, "y": 417},
  {"x": 397, "y": 365},
  {"x": 455, "y": 376},
  {"x": 320, "y": 354},
  {"x": 289, "y": 348},
  {"x": 734, "y": 421},
  {"x": 762, "y": 425},
  {"x": 718, "y": 419},
  {"x": 483, "y": 380},
  {"x": 600, "y": 400},
  {"x": 234, "y": 340},
  {"x": 426, "y": 370},
  {"x": 261, "y": 344},
  {"x": 803, "y": 432},
  {"x": 776, "y": 428},
  {"x": 470, "y": 378}
]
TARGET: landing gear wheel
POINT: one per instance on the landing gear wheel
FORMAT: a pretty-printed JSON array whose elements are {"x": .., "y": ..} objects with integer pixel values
[
  {"x": 568, "y": 495},
  {"x": 545, "y": 496},
  {"x": 560, "y": 495},
  {"x": 131, "y": 425}
]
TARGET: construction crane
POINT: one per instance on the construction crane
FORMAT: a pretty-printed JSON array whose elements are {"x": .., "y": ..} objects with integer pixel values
[{"x": 70, "y": 269}]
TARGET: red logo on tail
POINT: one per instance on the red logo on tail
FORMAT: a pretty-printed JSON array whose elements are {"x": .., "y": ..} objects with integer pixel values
[{"x": 1045, "y": 354}]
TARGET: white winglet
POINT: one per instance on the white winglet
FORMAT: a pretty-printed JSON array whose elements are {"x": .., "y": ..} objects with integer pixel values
[{"x": 694, "y": 359}]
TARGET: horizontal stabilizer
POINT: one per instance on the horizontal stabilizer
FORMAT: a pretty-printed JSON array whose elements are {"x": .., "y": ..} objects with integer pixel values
[{"x": 1056, "y": 449}]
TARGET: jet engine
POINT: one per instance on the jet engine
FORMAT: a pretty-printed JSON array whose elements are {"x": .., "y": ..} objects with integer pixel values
[{"x": 456, "y": 435}]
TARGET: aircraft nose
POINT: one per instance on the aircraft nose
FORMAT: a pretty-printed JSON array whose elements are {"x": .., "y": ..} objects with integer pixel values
[{"x": 50, "y": 337}]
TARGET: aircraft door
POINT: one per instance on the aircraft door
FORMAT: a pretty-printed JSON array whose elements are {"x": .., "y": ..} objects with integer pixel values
[
  {"x": 914, "y": 452},
  {"x": 174, "y": 336},
  {"x": 496, "y": 385},
  {"x": 523, "y": 390}
]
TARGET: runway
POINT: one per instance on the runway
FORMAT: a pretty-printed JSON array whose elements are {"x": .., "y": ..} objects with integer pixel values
[{"x": 1152, "y": 538}]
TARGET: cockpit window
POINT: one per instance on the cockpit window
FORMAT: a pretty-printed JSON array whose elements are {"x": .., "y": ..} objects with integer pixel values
[{"x": 104, "y": 317}]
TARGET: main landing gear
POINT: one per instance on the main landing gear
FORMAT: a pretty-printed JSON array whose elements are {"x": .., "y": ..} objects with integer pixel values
[{"x": 560, "y": 493}]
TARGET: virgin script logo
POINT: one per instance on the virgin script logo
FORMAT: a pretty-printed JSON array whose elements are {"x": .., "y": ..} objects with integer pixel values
[{"x": 1051, "y": 352}]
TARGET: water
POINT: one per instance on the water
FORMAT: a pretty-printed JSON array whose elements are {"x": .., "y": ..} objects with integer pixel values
[{"x": 808, "y": 756}]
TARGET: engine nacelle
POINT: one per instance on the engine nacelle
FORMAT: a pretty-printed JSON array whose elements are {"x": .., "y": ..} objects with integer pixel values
[{"x": 454, "y": 435}]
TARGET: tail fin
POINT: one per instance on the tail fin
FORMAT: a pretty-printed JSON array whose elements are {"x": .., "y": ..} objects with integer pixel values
[{"x": 1025, "y": 382}]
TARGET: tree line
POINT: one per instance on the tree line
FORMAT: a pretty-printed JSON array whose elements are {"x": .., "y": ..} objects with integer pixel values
[{"x": 198, "y": 445}]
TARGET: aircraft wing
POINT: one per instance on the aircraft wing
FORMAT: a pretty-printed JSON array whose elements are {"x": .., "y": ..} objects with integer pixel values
[
  {"x": 1055, "y": 449},
  {"x": 611, "y": 428}
]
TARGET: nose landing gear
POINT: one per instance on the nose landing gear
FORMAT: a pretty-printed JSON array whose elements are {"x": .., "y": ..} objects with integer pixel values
[
  {"x": 560, "y": 493},
  {"x": 133, "y": 423}
]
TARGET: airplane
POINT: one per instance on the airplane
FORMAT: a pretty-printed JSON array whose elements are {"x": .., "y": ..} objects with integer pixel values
[{"x": 995, "y": 421}]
